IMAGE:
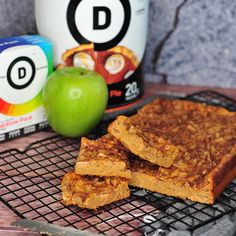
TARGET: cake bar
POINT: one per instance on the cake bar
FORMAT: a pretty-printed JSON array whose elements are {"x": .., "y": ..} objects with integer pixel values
[
  {"x": 165, "y": 129},
  {"x": 142, "y": 142},
  {"x": 202, "y": 187},
  {"x": 205, "y": 137},
  {"x": 102, "y": 157},
  {"x": 92, "y": 192}
]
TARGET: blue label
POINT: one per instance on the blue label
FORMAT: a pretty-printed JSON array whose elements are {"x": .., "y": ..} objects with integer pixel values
[{"x": 9, "y": 42}]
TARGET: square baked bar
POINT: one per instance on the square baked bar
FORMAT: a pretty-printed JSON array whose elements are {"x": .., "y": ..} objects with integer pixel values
[
  {"x": 91, "y": 192},
  {"x": 143, "y": 143},
  {"x": 105, "y": 156}
]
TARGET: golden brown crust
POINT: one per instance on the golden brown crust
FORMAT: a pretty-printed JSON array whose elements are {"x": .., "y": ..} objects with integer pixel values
[
  {"x": 148, "y": 146},
  {"x": 92, "y": 192},
  {"x": 160, "y": 106},
  {"x": 223, "y": 173},
  {"x": 102, "y": 157},
  {"x": 205, "y": 137},
  {"x": 150, "y": 177}
]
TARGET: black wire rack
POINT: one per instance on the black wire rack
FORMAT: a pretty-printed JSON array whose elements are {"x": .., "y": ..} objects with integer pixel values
[{"x": 30, "y": 187}]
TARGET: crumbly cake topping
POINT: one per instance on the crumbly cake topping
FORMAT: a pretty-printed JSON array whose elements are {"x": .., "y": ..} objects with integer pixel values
[
  {"x": 104, "y": 148},
  {"x": 204, "y": 134},
  {"x": 86, "y": 185},
  {"x": 143, "y": 143}
]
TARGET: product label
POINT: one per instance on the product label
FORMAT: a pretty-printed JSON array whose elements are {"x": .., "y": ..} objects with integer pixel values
[
  {"x": 23, "y": 73},
  {"x": 107, "y": 22},
  {"x": 102, "y": 35},
  {"x": 25, "y": 63}
]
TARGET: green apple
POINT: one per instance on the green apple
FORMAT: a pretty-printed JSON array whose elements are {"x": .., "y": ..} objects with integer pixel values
[{"x": 74, "y": 100}]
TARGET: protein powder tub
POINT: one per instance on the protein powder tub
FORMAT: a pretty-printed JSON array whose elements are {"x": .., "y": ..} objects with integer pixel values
[{"x": 108, "y": 36}]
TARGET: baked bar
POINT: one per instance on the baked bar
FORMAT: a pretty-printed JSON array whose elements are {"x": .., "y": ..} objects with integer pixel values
[
  {"x": 180, "y": 126},
  {"x": 204, "y": 186},
  {"x": 142, "y": 142},
  {"x": 92, "y": 192},
  {"x": 102, "y": 157},
  {"x": 206, "y": 138}
]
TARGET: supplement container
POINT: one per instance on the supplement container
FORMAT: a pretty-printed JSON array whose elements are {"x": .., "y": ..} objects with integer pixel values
[{"x": 106, "y": 36}]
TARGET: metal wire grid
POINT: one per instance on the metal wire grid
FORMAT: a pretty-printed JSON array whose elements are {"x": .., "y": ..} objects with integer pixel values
[
  {"x": 30, "y": 186},
  {"x": 212, "y": 97}
]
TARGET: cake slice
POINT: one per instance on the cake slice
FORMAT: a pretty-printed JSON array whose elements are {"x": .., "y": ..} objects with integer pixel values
[
  {"x": 91, "y": 192},
  {"x": 142, "y": 142},
  {"x": 102, "y": 157},
  {"x": 198, "y": 183}
]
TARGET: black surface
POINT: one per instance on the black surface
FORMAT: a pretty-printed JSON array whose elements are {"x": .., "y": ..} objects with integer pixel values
[{"x": 30, "y": 186}]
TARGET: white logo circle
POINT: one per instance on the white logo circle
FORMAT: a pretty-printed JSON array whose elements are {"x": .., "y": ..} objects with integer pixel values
[
  {"x": 23, "y": 72},
  {"x": 109, "y": 18}
]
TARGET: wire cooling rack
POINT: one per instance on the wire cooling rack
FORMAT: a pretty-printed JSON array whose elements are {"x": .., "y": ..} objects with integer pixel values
[{"x": 30, "y": 186}]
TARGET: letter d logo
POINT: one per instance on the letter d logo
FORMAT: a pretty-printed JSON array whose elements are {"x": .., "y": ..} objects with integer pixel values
[
  {"x": 21, "y": 72},
  {"x": 104, "y": 23},
  {"x": 97, "y": 12}
]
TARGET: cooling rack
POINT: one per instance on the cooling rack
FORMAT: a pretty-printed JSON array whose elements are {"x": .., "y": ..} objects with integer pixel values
[{"x": 30, "y": 187}]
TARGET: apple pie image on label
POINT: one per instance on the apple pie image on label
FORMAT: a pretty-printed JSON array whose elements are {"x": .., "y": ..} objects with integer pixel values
[
  {"x": 115, "y": 65},
  {"x": 83, "y": 60}
]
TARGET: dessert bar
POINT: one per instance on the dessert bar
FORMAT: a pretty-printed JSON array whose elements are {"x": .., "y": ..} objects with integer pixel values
[
  {"x": 105, "y": 156},
  {"x": 92, "y": 192}
]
